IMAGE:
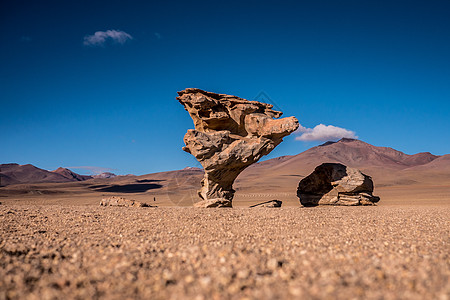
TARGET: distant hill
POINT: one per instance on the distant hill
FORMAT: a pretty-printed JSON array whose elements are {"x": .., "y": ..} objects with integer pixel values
[
  {"x": 387, "y": 166},
  {"x": 72, "y": 176},
  {"x": 384, "y": 164},
  {"x": 397, "y": 176},
  {"x": 17, "y": 174},
  {"x": 356, "y": 153}
]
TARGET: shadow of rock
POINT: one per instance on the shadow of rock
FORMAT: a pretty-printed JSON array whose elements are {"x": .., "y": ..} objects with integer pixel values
[
  {"x": 129, "y": 188},
  {"x": 268, "y": 204},
  {"x": 97, "y": 186},
  {"x": 149, "y": 180}
]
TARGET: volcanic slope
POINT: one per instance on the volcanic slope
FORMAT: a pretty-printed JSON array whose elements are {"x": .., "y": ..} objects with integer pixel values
[
  {"x": 17, "y": 174},
  {"x": 388, "y": 167}
]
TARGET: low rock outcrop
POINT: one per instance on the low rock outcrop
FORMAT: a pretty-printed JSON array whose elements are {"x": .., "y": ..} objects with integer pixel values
[
  {"x": 105, "y": 175},
  {"x": 230, "y": 134},
  {"x": 268, "y": 204},
  {"x": 119, "y": 201},
  {"x": 336, "y": 184}
]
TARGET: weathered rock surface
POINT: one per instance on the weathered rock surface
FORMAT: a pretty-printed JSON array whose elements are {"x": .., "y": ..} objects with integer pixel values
[
  {"x": 230, "y": 134},
  {"x": 269, "y": 204},
  {"x": 119, "y": 201},
  {"x": 336, "y": 184}
]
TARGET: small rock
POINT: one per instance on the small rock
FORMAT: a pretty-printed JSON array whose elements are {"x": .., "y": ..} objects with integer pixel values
[
  {"x": 272, "y": 264},
  {"x": 189, "y": 279},
  {"x": 119, "y": 201},
  {"x": 218, "y": 202},
  {"x": 243, "y": 274},
  {"x": 269, "y": 204},
  {"x": 205, "y": 281}
]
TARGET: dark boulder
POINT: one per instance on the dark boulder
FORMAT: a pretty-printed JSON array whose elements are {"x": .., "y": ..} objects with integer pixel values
[{"x": 336, "y": 184}]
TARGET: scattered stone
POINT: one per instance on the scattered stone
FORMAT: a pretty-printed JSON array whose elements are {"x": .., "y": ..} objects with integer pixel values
[
  {"x": 269, "y": 204},
  {"x": 230, "y": 134},
  {"x": 336, "y": 184},
  {"x": 213, "y": 203},
  {"x": 119, "y": 201}
]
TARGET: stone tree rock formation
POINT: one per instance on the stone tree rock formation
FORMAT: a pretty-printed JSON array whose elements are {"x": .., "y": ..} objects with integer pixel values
[
  {"x": 230, "y": 134},
  {"x": 336, "y": 184}
]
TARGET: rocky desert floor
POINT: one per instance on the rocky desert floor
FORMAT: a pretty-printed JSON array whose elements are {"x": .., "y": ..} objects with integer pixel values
[{"x": 91, "y": 252}]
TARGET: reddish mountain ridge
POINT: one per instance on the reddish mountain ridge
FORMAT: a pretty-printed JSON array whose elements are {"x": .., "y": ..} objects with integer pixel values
[
  {"x": 351, "y": 152},
  {"x": 357, "y": 153},
  {"x": 72, "y": 176},
  {"x": 387, "y": 166},
  {"x": 384, "y": 164},
  {"x": 17, "y": 174},
  {"x": 397, "y": 176}
]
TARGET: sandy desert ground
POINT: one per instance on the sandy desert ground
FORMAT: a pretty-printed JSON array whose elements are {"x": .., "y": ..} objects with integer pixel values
[
  {"x": 57, "y": 243},
  {"x": 91, "y": 252}
]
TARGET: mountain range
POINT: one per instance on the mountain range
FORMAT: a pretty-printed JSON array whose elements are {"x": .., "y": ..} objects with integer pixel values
[
  {"x": 396, "y": 175},
  {"x": 20, "y": 174},
  {"x": 387, "y": 166},
  {"x": 16, "y": 174}
]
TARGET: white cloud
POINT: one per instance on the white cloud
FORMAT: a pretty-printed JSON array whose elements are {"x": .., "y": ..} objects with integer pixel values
[
  {"x": 99, "y": 38},
  {"x": 324, "y": 133}
]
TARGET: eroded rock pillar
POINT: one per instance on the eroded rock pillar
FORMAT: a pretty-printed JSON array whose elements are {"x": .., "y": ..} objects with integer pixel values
[{"x": 230, "y": 134}]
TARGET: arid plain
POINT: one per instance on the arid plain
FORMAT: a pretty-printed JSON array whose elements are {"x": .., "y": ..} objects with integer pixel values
[{"x": 56, "y": 242}]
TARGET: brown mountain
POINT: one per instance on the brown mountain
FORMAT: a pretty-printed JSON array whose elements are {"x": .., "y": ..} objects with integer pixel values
[
  {"x": 278, "y": 178},
  {"x": 436, "y": 173},
  {"x": 16, "y": 174},
  {"x": 421, "y": 178},
  {"x": 440, "y": 164},
  {"x": 72, "y": 176},
  {"x": 384, "y": 164},
  {"x": 356, "y": 153}
]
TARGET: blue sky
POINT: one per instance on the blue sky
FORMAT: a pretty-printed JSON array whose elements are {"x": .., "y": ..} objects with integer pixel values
[{"x": 380, "y": 69}]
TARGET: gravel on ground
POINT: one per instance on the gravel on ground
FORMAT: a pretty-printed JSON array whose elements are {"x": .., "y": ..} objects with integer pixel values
[{"x": 89, "y": 252}]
